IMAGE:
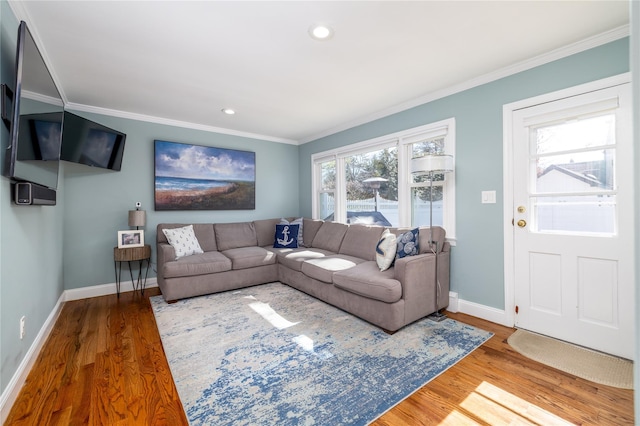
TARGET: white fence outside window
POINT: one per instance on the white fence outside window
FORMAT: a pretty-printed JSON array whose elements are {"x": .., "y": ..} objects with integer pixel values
[{"x": 388, "y": 208}]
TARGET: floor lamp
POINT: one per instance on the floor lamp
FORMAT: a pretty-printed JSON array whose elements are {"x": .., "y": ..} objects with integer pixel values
[{"x": 432, "y": 164}]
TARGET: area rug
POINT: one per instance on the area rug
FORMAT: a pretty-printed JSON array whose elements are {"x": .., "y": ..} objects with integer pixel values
[
  {"x": 581, "y": 362},
  {"x": 271, "y": 355}
]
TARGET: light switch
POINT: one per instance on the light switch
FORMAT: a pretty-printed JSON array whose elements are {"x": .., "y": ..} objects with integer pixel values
[{"x": 488, "y": 197}]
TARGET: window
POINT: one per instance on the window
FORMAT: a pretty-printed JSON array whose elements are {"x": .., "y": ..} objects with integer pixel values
[
  {"x": 326, "y": 193},
  {"x": 370, "y": 182},
  {"x": 573, "y": 165}
]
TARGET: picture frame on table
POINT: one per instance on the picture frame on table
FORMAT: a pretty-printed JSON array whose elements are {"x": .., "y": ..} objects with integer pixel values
[{"x": 131, "y": 238}]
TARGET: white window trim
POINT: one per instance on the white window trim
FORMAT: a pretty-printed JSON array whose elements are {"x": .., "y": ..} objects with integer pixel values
[{"x": 403, "y": 141}]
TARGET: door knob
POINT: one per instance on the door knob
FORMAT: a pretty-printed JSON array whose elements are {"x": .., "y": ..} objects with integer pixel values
[{"x": 522, "y": 223}]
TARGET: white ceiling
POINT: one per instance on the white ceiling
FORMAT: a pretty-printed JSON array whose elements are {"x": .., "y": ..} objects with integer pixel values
[{"x": 185, "y": 61}]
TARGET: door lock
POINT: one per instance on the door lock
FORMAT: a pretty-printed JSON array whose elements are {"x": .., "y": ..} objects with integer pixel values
[
  {"x": 521, "y": 209},
  {"x": 522, "y": 223}
]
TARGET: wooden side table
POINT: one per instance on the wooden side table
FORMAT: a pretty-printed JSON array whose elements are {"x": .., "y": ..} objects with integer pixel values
[{"x": 132, "y": 254}]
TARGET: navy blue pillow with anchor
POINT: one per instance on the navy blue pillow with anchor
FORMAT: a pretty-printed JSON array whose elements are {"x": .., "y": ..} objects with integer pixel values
[{"x": 286, "y": 236}]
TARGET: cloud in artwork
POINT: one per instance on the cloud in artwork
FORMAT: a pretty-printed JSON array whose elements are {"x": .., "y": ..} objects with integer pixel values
[{"x": 201, "y": 162}]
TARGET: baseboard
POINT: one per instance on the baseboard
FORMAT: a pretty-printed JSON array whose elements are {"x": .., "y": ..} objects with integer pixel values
[
  {"x": 488, "y": 313},
  {"x": 453, "y": 302},
  {"x": 103, "y": 290},
  {"x": 10, "y": 394}
]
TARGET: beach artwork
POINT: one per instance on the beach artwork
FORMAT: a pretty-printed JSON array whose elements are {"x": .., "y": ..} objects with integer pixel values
[{"x": 194, "y": 177}]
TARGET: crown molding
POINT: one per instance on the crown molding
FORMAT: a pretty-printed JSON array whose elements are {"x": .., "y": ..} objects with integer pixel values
[
  {"x": 175, "y": 123},
  {"x": 554, "y": 55}
]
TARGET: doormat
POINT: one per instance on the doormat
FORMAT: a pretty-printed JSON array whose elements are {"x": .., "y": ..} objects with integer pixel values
[{"x": 581, "y": 362}]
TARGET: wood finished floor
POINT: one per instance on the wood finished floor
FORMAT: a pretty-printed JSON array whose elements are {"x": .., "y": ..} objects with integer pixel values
[{"x": 103, "y": 364}]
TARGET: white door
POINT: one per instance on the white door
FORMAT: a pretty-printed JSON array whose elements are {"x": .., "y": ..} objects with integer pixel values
[{"x": 573, "y": 220}]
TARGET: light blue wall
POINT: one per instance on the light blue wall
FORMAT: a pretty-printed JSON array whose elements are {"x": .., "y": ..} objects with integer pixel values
[
  {"x": 477, "y": 265},
  {"x": 31, "y": 279},
  {"x": 97, "y": 201}
]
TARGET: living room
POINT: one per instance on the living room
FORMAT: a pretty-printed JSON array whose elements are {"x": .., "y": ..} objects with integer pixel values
[{"x": 72, "y": 243}]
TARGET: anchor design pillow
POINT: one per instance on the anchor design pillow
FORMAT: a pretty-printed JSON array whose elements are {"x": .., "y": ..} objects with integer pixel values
[{"x": 286, "y": 236}]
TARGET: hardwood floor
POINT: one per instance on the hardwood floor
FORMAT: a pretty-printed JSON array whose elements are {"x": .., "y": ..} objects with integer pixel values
[{"x": 103, "y": 364}]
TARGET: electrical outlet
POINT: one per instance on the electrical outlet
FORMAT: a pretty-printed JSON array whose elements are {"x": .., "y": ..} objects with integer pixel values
[{"x": 22, "y": 325}]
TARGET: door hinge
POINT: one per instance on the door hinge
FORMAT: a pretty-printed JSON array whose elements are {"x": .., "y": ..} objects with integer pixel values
[{"x": 516, "y": 309}]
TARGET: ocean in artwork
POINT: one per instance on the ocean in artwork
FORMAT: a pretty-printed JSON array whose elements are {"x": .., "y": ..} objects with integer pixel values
[{"x": 187, "y": 184}]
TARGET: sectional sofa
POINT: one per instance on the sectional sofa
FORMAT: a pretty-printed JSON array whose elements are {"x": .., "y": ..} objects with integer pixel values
[{"x": 335, "y": 263}]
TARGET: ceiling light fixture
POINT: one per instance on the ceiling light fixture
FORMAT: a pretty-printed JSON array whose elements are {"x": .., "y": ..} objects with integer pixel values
[
  {"x": 320, "y": 32},
  {"x": 228, "y": 111}
]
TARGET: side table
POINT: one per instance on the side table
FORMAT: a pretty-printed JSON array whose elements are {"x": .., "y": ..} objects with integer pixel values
[{"x": 132, "y": 254}]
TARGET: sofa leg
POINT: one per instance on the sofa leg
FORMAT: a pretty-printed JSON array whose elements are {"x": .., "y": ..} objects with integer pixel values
[
  {"x": 171, "y": 302},
  {"x": 390, "y": 333}
]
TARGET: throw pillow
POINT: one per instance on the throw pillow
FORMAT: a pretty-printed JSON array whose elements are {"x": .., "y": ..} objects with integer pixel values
[
  {"x": 299, "y": 221},
  {"x": 183, "y": 240},
  {"x": 286, "y": 236},
  {"x": 408, "y": 243},
  {"x": 386, "y": 250}
]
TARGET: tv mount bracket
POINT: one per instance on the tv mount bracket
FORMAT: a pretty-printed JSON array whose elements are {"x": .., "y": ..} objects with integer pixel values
[{"x": 7, "y": 94}]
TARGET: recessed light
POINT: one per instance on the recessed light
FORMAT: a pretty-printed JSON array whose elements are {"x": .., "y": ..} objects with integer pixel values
[
  {"x": 320, "y": 32},
  {"x": 228, "y": 111}
]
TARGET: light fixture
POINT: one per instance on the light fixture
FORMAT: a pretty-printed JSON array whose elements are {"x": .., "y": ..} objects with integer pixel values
[
  {"x": 320, "y": 32},
  {"x": 137, "y": 217},
  {"x": 229, "y": 111},
  {"x": 431, "y": 165}
]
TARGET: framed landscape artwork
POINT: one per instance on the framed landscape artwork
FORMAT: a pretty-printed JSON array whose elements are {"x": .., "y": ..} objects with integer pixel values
[{"x": 195, "y": 177}]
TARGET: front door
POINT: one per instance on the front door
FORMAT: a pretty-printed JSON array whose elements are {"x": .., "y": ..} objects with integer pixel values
[{"x": 573, "y": 220}]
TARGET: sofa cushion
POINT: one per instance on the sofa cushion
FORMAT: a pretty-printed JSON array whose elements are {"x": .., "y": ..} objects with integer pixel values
[
  {"x": 386, "y": 250},
  {"x": 208, "y": 262},
  {"x": 329, "y": 236},
  {"x": 183, "y": 240},
  {"x": 366, "y": 280},
  {"x": 249, "y": 257},
  {"x": 294, "y": 258},
  {"x": 286, "y": 236},
  {"x": 264, "y": 231},
  {"x": 322, "y": 268},
  {"x": 360, "y": 241},
  {"x": 408, "y": 243},
  {"x": 310, "y": 229},
  {"x": 204, "y": 233},
  {"x": 235, "y": 235}
]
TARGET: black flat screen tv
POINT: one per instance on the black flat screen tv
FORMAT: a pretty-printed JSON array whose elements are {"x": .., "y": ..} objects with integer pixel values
[
  {"x": 87, "y": 142},
  {"x": 36, "y": 118}
]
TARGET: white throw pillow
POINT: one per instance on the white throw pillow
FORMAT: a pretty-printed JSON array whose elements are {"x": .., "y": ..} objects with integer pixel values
[
  {"x": 183, "y": 240},
  {"x": 386, "y": 250},
  {"x": 298, "y": 221}
]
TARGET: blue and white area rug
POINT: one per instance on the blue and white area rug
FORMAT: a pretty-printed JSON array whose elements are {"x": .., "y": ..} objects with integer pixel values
[{"x": 271, "y": 355}]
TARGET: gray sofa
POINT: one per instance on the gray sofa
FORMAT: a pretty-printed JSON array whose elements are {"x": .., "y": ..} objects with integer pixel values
[{"x": 337, "y": 265}]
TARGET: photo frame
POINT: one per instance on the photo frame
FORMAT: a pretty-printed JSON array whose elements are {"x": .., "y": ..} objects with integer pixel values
[
  {"x": 196, "y": 177},
  {"x": 131, "y": 238}
]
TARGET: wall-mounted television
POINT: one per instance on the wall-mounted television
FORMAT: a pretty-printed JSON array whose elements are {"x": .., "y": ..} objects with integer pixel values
[
  {"x": 87, "y": 142},
  {"x": 35, "y": 132}
]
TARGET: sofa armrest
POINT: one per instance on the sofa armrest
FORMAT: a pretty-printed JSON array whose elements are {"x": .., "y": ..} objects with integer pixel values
[
  {"x": 166, "y": 253},
  {"x": 417, "y": 274}
]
